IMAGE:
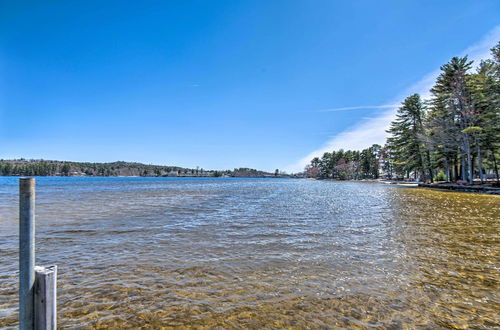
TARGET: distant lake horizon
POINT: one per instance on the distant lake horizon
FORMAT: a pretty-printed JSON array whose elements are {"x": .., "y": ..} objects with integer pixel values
[{"x": 257, "y": 252}]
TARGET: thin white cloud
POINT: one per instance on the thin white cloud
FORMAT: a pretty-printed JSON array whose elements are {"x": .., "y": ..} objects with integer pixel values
[
  {"x": 368, "y": 132},
  {"x": 360, "y": 107}
]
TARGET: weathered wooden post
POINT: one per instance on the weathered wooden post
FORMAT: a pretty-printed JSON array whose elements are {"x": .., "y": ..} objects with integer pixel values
[
  {"x": 26, "y": 252},
  {"x": 45, "y": 297}
]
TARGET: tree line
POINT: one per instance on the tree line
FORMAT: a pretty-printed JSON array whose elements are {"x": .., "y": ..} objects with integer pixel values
[
  {"x": 40, "y": 167},
  {"x": 346, "y": 165},
  {"x": 453, "y": 136},
  {"x": 22, "y": 167}
]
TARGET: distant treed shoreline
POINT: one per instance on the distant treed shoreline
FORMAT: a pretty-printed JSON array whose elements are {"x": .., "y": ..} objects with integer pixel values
[
  {"x": 40, "y": 167},
  {"x": 454, "y": 136}
]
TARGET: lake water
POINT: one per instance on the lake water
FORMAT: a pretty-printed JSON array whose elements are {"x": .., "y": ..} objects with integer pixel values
[{"x": 253, "y": 253}]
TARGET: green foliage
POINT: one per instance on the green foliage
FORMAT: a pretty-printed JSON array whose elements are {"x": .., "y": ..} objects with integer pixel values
[
  {"x": 440, "y": 176},
  {"x": 472, "y": 129},
  {"x": 346, "y": 165}
]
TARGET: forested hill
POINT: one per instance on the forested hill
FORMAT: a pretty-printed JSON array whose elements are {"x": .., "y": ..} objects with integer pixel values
[
  {"x": 62, "y": 168},
  {"x": 36, "y": 167}
]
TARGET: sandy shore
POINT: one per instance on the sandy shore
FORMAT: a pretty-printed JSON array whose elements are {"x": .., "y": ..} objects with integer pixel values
[{"x": 483, "y": 189}]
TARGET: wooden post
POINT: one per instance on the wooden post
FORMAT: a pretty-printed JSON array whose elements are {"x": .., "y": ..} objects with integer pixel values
[
  {"x": 45, "y": 298},
  {"x": 26, "y": 252}
]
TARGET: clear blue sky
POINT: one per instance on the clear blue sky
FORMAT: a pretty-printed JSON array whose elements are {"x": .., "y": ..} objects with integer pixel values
[{"x": 215, "y": 84}]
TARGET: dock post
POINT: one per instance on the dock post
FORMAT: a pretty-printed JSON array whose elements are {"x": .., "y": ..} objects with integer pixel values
[
  {"x": 26, "y": 252},
  {"x": 45, "y": 298}
]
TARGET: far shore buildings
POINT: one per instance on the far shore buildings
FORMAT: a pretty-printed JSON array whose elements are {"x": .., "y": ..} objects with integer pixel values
[
  {"x": 172, "y": 173},
  {"x": 189, "y": 173}
]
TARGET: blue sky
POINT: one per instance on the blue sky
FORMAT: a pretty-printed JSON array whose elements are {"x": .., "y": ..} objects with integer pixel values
[{"x": 217, "y": 84}]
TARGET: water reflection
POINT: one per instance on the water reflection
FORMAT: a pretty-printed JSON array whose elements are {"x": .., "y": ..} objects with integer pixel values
[{"x": 253, "y": 253}]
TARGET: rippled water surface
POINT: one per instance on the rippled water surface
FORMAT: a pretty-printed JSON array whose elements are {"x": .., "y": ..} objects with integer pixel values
[{"x": 253, "y": 253}]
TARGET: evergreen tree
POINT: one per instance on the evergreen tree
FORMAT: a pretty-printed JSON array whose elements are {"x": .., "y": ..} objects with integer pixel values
[{"x": 405, "y": 141}]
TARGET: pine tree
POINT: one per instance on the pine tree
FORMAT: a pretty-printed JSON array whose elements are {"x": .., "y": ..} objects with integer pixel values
[{"x": 405, "y": 142}]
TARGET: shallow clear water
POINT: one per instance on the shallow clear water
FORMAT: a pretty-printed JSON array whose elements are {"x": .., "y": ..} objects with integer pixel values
[{"x": 213, "y": 252}]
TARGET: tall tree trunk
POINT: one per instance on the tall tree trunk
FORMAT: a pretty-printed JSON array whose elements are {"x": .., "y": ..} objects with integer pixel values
[
  {"x": 462, "y": 167},
  {"x": 447, "y": 168},
  {"x": 479, "y": 162},
  {"x": 421, "y": 166},
  {"x": 429, "y": 168},
  {"x": 470, "y": 169},
  {"x": 495, "y": 164},
  {"x": 473, "y": 157}
]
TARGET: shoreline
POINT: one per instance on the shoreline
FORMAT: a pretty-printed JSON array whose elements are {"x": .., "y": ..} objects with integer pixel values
[
  {"x": 461, "y": 188},
  {"x": 477, "y": 189}
]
